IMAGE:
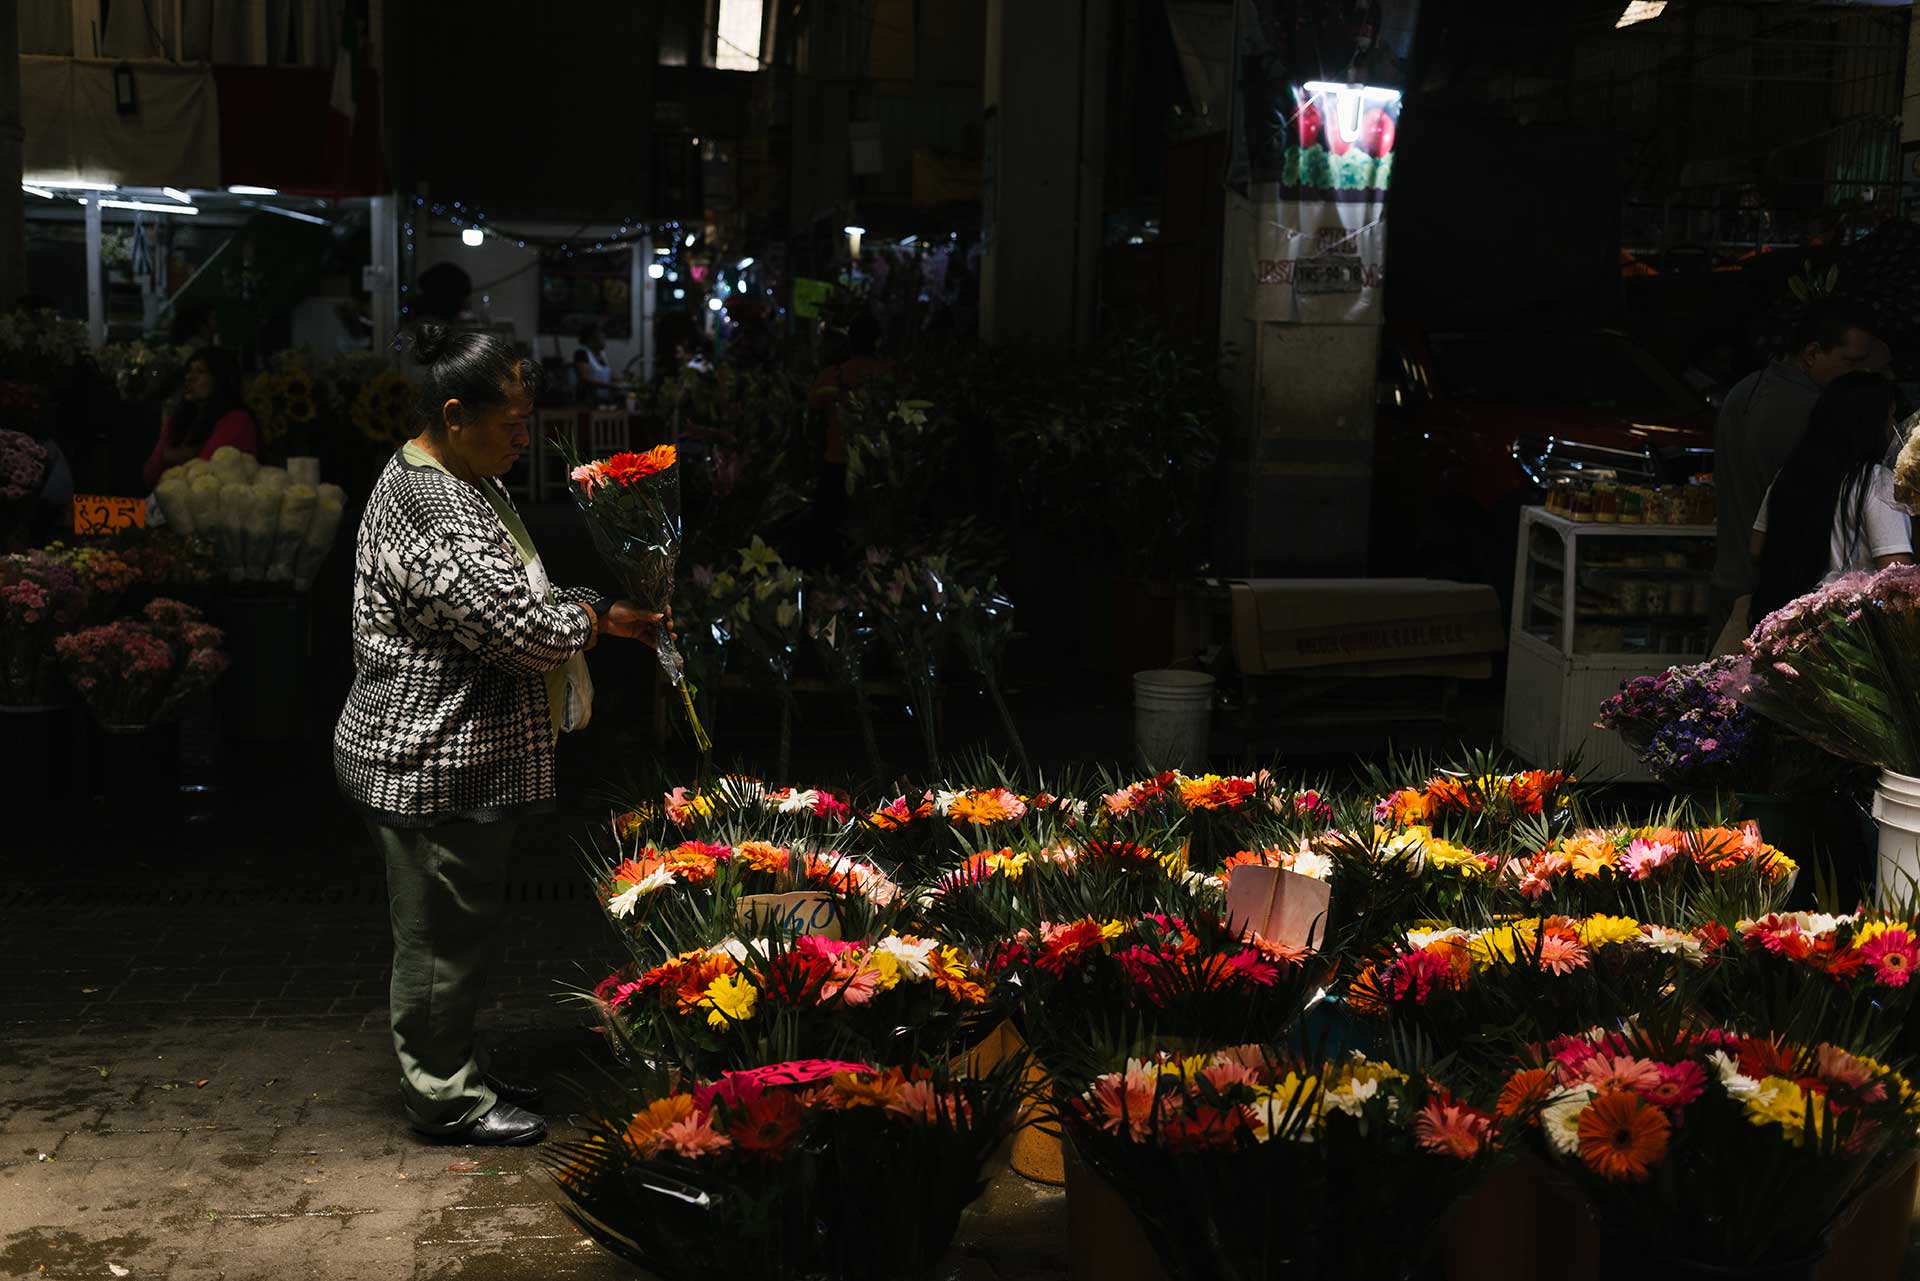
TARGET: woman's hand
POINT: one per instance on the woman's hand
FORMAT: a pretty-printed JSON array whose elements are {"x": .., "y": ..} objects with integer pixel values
[{"x": 627, "y": 619}]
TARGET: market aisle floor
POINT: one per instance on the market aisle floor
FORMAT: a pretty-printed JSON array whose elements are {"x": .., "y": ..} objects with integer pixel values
[{"x": 196, "y": 1084}]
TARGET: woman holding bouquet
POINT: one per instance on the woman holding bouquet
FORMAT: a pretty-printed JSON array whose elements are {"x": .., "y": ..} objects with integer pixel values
[{"x": 461, "y": 657}]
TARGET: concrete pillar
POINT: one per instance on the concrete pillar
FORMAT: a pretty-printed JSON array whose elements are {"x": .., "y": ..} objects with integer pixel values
[
  {"x": 1046, "y": 96},
  {"x": 383, "y": 272},
  {"x": 13, "y": 214},
  {"x": 96, "y": 283},
  {"x": 644, "y": 297}
]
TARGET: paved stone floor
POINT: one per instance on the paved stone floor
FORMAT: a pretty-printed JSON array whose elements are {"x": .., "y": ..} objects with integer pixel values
[{"x": 196, "y": 1083}]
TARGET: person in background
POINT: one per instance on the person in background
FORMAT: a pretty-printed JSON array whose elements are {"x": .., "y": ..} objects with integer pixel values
[
  {"x": 861, "y": 364},
  {"x": 1832, "y": 507},
  {"x": 210, "y": 415},
  {"x": 1764, "y": 417},
  {"x": 460, "y": 650},
  {"x": 591, "y": 368}
]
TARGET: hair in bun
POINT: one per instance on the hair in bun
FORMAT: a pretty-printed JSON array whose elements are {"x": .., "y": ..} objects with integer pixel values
[
  {"x": 476, "y": 367},
  {"x": 429, "y": 342}
]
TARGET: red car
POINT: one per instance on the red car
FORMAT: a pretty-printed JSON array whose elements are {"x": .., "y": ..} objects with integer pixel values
[{"x": 1471, "y": 425}]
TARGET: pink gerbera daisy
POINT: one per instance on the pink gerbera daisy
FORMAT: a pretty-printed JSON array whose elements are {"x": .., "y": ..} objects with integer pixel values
[
  {"x": 1893, "y": 956},
  {"x": 1562, "y": 954},
  {"x": 1643, "y": 858},
  {"x": 693, "y": 1136},
  {"x": 1680, "y": 1084},
  {"x": 1621, "y": 1072},
  {"x": 1450, "y": 1129}
]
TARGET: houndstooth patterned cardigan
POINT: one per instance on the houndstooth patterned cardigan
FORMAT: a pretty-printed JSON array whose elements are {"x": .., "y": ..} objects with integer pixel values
[{"x": 447, "y": 718}]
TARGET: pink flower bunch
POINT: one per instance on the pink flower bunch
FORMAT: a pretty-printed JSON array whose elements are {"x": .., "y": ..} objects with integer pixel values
[
  {"x": 138, "y": 672},
  {"x": 23, "y": 466}
]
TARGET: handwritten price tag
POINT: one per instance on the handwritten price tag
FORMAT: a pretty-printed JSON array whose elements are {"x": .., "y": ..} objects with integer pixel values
[
  {"x": 100, "y": 514},
  {"x": 801, "y": 913},
  {"x": 1279, "y": 905}
]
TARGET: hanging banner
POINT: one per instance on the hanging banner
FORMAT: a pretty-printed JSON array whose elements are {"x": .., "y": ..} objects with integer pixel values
[{"x": 1315, "y": 130}]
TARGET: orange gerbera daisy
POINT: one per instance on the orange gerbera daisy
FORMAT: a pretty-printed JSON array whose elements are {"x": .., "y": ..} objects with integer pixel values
[
  {"x": 625, "y": 468},
  {"x": 1524, "y": 1093},
  {"x": 1622, "y": 1135},
  {"x": 1365, "y": 994},
  {"x": 643, "y": 1132},
  {"x": 950, "y": 976},
  {"x": 994, "y": 805},
  {"x": 762, "y": 856}
]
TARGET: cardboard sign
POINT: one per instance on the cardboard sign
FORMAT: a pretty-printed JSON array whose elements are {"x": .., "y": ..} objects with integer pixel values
[
  {"x": 801, "y": 913},
  {"x": 100, "y": 514},
  {"x": 1279, "y": 905}
]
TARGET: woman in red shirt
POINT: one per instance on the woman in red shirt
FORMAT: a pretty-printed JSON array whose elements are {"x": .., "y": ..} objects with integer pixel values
[{"x": 210, "y": 416}]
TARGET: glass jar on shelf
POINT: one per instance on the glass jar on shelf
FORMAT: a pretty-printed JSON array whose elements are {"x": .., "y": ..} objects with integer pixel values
[{"x": 1606, "y": 503}]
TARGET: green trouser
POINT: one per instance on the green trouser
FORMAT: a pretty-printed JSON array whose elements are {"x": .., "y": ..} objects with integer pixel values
[{"x": 445, "y": 888}]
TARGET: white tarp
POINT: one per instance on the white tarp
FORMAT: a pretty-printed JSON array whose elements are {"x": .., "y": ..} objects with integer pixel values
[{"x": 74, "y": 130}]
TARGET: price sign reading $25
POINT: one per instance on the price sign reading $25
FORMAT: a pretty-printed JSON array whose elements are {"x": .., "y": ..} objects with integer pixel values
[{"x": 102, "y": 514}]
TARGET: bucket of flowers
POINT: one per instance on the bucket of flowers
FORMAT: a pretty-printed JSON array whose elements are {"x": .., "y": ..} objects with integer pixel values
[
  {"x": 1369, "y": 1157},
  {"x": 40, "y": 598},
  {"x": 1708, "y": 1153},
  {"x": 137, "y": 672},
  {"x": 752, "y": 1174}
]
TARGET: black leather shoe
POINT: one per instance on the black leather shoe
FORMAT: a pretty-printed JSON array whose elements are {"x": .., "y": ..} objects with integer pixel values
[
  {"x": 503, "y": 1126},
  {"x": 521, "y": 1095}
]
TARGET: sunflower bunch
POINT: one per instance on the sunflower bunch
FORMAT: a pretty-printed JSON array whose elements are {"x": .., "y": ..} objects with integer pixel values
[
  {"x": 283, "y": 396},
  {"x": 382, "y": 407}
]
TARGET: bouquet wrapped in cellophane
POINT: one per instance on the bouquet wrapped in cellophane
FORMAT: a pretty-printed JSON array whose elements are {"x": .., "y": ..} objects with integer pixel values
[
  {"x": 1712, "y": 1152},
  {"x": 632, "y": 505},
  {"x": 1370, "y": 1157},
  {"x": 1836, "y": 666},
  {"x": 755, "y": 1175}
]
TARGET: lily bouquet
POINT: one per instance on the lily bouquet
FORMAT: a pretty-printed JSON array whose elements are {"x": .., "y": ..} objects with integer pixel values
[
  {"x": 631, "y": 502},
  {"x": 751, "y": 1176}
]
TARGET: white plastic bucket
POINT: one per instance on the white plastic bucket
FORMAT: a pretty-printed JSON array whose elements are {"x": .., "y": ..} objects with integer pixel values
[
  {"x": 1896, "y": 808},
  {"x": 1172, "y": 716}
]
